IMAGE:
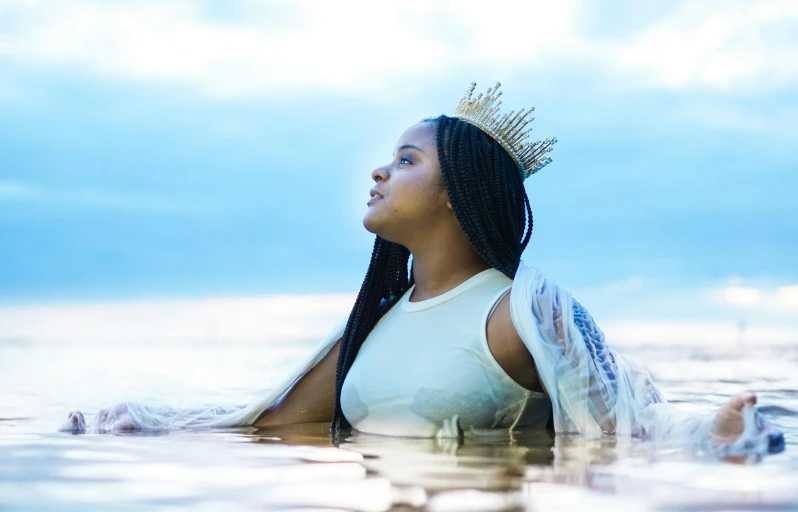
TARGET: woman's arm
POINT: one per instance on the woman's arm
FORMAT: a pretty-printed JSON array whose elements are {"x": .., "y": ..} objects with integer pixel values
[
  {"x": 305, "y": 395},
  {"x": 312, "y": 399},
  {"x": 508, "y": 348}
]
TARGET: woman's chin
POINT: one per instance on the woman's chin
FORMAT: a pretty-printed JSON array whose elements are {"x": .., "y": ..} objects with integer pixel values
[
  {"x": 371, "y": 224},
  {"x": 378, "y": 228}
]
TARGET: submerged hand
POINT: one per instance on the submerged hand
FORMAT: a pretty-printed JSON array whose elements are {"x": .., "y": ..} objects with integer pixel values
[
  {"x": 109, "y": 419},
  {"x": 75, "y": 423}
]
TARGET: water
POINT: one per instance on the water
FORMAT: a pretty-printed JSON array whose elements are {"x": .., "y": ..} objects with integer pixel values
[{"x": 297, "y": 467}]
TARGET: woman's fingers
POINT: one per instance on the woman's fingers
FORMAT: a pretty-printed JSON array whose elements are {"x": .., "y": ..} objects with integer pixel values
[{"x": 742, "y": 399}]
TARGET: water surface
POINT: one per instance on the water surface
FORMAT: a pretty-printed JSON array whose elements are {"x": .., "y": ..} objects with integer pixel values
[{"x": 297, "y": 467}]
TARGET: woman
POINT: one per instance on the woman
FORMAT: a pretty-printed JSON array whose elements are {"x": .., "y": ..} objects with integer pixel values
[{"x": 470, "y": 339}]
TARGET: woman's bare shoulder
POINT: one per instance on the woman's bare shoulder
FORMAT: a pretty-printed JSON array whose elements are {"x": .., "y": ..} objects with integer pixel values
[{"x": 508, "y": 348}]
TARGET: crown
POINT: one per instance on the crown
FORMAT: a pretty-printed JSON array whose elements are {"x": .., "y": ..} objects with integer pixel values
[{"x": 509, "y": 129}]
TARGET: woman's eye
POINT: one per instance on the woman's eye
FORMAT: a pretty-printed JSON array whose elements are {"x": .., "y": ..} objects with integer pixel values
[{"x": 404, "y": 160}]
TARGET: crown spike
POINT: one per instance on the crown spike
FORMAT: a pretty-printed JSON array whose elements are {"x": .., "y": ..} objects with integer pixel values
[{"x": 517, "y": 120}]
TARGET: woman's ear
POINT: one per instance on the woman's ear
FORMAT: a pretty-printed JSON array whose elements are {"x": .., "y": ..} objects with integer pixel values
[{"x": 445, "y": 193}]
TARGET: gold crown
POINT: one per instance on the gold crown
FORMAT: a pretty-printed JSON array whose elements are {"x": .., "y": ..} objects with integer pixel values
[{"x": 508, "y": 130}]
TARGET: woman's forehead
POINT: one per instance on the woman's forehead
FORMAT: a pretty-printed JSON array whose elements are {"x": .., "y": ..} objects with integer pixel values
[{"x": 421, "y": 135}]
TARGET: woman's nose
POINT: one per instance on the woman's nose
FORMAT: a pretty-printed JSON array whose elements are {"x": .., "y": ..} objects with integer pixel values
[{"x": 379, "y": 174}]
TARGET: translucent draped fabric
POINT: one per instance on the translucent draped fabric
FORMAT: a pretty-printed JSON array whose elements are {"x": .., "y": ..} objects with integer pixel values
[
  {"x": 155, "y": 417},
  {"x": 593, "y": 389}
]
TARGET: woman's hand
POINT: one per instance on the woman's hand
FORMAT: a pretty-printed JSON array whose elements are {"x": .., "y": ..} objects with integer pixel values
[
  {"x": 75, "y": 423},
  {"x": 116, "y": 418},
  {"x": 729, "y": 423},
  {"x": 738, "y": 430}
]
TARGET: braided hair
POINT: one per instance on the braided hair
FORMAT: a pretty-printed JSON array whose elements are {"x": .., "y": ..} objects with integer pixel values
[{"x": 487, "y": 195}]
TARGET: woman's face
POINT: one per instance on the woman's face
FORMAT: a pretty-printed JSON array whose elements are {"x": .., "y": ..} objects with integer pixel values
[{"x": 410, "y": 198}]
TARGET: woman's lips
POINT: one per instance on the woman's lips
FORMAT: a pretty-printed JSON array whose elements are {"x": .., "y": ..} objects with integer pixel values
[{"x": 374, "y": 196}]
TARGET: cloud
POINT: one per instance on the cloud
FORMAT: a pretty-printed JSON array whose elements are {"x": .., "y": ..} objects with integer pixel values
[
  {"x": 226, "y": 319},
  {"x": 367, "y": 47},
  {"x": 280, "y": 318},
  {"x": 779, "y": 299},
  {"x": 788, "y": 296},
  {"x": 741, "y": 296},
  {"x": 750, "y": 43},
  {"x": 17, "y": 191},
  {"x": 757, "y": 301},
  {"x": 705, "y": 333},
  {"x": 327, "y": 45}
]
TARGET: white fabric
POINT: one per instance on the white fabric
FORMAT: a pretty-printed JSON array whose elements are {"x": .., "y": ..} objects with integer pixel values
[
  {"x": 593, "y": 390},
  {"x": 429, "y": 360}
]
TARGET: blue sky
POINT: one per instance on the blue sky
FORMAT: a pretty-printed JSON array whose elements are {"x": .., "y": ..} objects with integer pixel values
[{"x": 175, "y": 150}]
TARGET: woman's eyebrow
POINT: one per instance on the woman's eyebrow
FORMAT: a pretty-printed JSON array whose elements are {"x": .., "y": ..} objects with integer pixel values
[{"x": 408, "y": 146}]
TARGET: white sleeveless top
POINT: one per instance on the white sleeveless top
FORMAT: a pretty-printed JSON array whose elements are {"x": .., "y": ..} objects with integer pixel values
[{"x": 425, "y": 362}]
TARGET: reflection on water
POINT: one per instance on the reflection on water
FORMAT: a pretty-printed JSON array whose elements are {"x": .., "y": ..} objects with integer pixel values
[{"x": 298, "y": 467}]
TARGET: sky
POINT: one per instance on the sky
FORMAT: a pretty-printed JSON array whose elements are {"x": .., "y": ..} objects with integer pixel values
[{"x": 181, "y": 150}]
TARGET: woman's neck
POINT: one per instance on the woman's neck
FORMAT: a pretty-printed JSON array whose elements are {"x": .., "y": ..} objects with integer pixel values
[{"x": 438, "y": 271}]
